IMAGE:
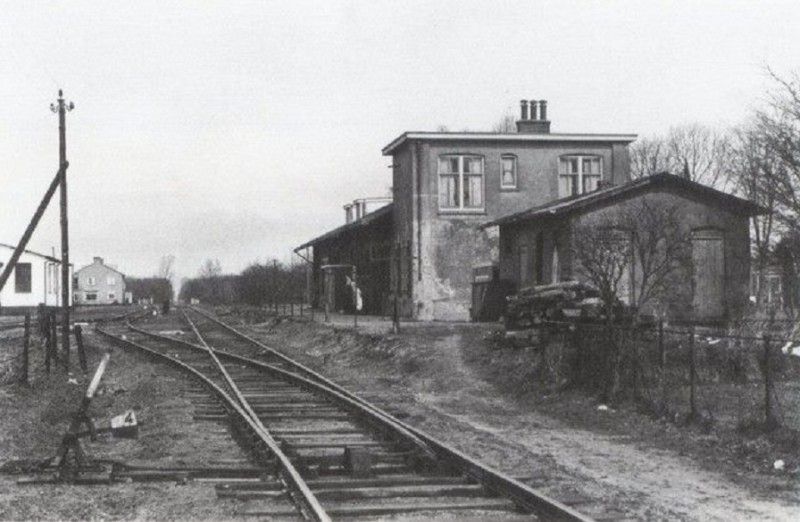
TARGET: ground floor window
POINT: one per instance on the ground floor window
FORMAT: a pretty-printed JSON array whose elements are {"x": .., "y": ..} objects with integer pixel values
[
  {"x": 22, "y": 278},
  {"x": 91, "y": 296}
]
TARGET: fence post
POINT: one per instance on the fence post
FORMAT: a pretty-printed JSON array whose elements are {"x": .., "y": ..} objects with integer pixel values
[
  {"x": 47, "y": 341},
  {"x": 662, "y": 359},
  {"x": 81, "y": 351},
  {"x": 25, "y": 347},
  {"x": 291, "y": 308},
  {"x": 692, "y": 376},
  {"x": 769, "y": 415},
  {"x": 635, "y": 348}
]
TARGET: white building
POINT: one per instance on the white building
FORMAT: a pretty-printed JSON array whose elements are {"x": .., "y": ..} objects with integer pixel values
[{"x": 35, "y": 280}]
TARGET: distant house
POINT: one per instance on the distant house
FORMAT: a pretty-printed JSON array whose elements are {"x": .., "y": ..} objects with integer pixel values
[
  {"x": 536, "y": 244},
  {"x": 36, "y": 279},
  {"x": 99, "y": 284}
]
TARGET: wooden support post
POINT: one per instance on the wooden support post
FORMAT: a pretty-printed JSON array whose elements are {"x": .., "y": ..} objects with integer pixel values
[
  {"x": 48, "y": 332},
  {"x": 396, "y": 312},
  {"x": 81, "y": 351},
  {"x": 692, "y": 376},
  {"x": 769, "y": 414},
  {"x": 662, "y": 359},
  {"x": 26, "y": 342},
  {"x": 291, "y": 305},
  {"x": 355, "y": 298}
]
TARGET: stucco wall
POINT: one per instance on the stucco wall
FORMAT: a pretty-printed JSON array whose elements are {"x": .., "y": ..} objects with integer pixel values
[
  {"x": 45, "y": 282},
  {"x": 447, "y": 246}
]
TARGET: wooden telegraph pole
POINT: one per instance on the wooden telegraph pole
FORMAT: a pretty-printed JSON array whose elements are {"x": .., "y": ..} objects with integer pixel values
[{"x": 61, "y": 108}]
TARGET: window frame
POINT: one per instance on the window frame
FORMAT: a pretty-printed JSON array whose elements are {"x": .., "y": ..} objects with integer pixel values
[
  {"x": 111, "y": 280},
  {"x": 515, "y": 170},
  {"x": 579, "y": 178},
  {"x": 461, "y": 176},
  {"x": 19, "y": 286}
]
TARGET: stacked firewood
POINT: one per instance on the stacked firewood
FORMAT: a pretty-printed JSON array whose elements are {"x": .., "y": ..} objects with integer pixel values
[{"x": 564, "y": 301}]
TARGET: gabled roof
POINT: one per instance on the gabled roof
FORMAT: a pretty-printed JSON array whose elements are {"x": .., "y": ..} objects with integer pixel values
[
  {"x": 608, "y": 195},
  {"x": 101, "y": 264},
  {"x": 508, "y": 137},
  {"x": 355, "y": 225},
  {"x": 43, "y": 256}
]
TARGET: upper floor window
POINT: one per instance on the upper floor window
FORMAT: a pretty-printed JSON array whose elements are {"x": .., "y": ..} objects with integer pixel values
[
  {"x": 508, "y": 176},
  {"x": 461, "y": 183},
  {"x": 91, "y": 281},
  {"x": 22, "y": 278},
  {"x": 111, "y": 280},
  {"x": 579, "y": 174}
]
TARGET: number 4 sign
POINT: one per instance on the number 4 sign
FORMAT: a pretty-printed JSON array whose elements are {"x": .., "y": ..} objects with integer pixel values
[{"x": 125, "y": 426}]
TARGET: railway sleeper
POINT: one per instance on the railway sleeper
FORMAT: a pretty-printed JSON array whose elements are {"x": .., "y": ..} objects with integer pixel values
[{"x": 403, "y": 491}]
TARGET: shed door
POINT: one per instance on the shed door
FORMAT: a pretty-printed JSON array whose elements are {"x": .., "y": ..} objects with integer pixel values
[{"x": 708, "y": 258}]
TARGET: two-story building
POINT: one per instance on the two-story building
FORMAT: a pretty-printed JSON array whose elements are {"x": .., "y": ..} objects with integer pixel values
[
  {"x": 99, "y": 284},
  {"x": 446, "y": 184},
  {"x": 36, "y": 279}
]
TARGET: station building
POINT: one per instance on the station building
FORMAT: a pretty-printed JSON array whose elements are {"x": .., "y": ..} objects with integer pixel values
[{"x": 427, "y": 245}]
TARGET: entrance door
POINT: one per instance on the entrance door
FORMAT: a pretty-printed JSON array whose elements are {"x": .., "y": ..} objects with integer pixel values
[{"x": 708, "y": 258}]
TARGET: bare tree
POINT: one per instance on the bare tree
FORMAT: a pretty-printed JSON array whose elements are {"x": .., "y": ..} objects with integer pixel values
[
  {"x": 649, "y": 156},
  {"x": 507, "y": 123},
  {"x": 696, "y": 151},
  {"x": 165, "y": 267},
  {"x": 210, "y": 268},
  {"x": 779, "y": 128},
  {"x": 756, "y": 174},
  {"x": 641, "y": 245}
]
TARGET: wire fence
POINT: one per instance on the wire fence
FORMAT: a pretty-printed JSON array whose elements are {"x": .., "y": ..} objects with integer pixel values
[{"x": 746, "y": 375}]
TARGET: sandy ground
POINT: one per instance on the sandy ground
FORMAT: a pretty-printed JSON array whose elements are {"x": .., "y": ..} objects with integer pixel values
[{"x": 424, "y": 377}]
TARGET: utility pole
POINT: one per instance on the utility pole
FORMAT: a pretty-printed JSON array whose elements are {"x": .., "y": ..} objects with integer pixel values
[{"x": 61, "y": 108}]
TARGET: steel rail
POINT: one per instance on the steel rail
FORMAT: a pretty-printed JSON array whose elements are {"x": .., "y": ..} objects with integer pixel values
[
  {"x": 378, "y": 417},
  {"x": 303, "y": 497},
  {"x": 523, "y": 495}
]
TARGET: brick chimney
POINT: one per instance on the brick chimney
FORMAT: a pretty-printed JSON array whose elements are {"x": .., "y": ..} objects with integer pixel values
[
  {"x": 98, "y": 260},
  {"x": 535, "y": 121}
]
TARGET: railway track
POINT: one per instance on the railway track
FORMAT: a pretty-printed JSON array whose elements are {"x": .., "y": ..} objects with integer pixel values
[{"x": 330, "y": 453}]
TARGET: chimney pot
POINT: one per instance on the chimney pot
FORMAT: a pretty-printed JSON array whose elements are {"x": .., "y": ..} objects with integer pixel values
[
  {"x": 534, "y": 110},
  {"x": 524, "y": 104},
  {"x": 543, "y": 110}
]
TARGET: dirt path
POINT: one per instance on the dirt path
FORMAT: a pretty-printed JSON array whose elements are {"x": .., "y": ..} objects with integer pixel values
[{"x": 664, "y": 485}]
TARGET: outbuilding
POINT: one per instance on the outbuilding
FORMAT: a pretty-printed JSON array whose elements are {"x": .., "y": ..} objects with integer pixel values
[
  {"x": 36, "y": 279},
  {"x": 543, "y": 244}
]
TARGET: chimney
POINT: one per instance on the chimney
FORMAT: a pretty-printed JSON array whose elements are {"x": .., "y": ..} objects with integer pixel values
[
  {"x": 524, "y": 105},
  {"x": 98, "y": 260},
  {"x": 538, "y": 122}
]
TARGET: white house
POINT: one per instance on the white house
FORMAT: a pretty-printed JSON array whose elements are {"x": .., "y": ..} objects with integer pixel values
[{"x": 36, "y": 279}]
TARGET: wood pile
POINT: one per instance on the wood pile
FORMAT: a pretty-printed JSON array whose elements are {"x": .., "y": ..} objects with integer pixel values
[{"x": 564, "y": 301}]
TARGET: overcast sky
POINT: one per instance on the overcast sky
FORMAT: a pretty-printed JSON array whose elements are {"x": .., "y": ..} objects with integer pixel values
[{"x": 237, "y": 130}]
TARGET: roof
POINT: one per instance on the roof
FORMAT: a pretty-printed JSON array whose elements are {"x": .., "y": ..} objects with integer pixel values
[
  {"x": 366, "y": 220},
  {"x": 43, "y": 256},
  {"x": 507, "y": 136},
  {"x": 600, "y": 197},
  {"x": 94, "y": 263}
]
